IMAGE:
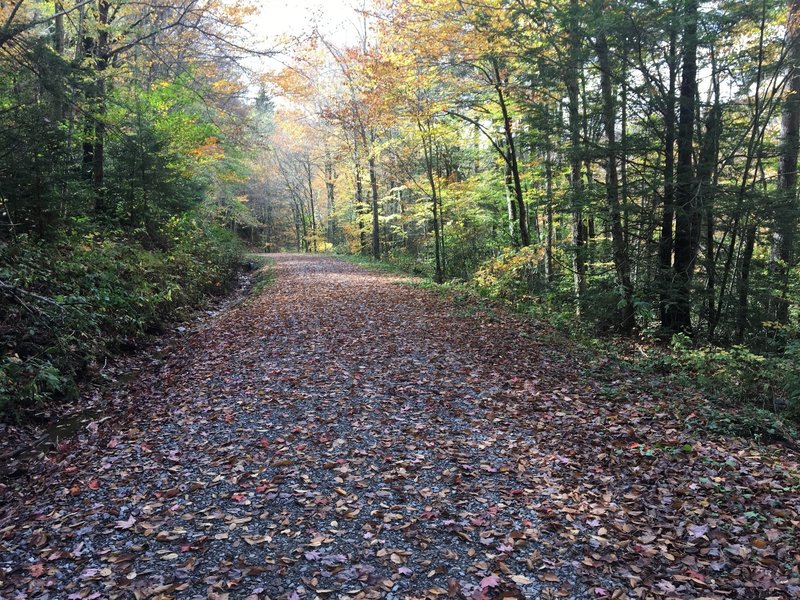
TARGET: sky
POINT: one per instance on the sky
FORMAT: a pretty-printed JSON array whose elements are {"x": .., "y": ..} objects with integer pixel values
[
  {"x": 277, "y": 20},
  {"x": 335, "y": 18}
]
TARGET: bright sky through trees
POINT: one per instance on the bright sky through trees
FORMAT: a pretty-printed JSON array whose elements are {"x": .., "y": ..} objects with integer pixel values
[{"x": 289, "y": 18}]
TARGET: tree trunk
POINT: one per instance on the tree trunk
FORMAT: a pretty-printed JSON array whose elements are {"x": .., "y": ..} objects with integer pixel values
[
  {"x": 784, "y": 232},
  {"x": 742, "y": 313},
  {"x": 576, "y": 184},
  {"x": 312, "y": 208},
  {"x": 98, "y": 145},
  {"x": 437, "y": 236},
  {"x": 511, "y": 207},
  {"x": 619, "y": 248},
  {"x": 548, "y": 211},
  {"x": 679, "y": 312},
  {"x": 442, "y": 253},
  {"x": 58, "y": 31},
  {"x": 623, "y": 148},
  {"x": 726, "y": 276},
  {"x": 522, "y": 213},
  {"x": 297, "y": 231},
  {"x": 303, "y": 222},
  {"x": 427, "y": 148},
  {"x": 668, "y": 212},
  {"x": 330, "y": 177},
  {"x": 362, "y": 233},
  {"x": 707, "y": 175},
  {"x": 269, "y": 246},
  {"x": 373, "y": 182}
]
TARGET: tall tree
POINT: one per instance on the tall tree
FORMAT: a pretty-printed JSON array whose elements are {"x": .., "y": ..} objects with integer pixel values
[
  {"x": 618, "y": 242},
  {"x": 572, "y": 82},
  {"x": 679, "y": 311},
  {"x": 786, "y": 214},
  {"x": 666, "y": 241}
]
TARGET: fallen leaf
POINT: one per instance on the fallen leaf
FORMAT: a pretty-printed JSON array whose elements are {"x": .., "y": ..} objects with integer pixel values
[{"x": 126, "y": 524}]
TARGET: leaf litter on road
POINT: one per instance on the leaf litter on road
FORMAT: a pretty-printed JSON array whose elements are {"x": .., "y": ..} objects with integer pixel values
[{"x": 343, "y": 436}]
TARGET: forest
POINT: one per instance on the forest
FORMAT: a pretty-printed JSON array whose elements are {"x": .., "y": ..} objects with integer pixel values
[
  {"x": 122, "y": 136},
  {"x": 621, "y": 169},
  {"x": 634, "y": 161},
  {"x": 476, "y": 299}
]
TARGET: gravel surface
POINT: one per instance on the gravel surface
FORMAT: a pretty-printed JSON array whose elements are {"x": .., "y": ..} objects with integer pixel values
[{"x": 343, "y": 435}]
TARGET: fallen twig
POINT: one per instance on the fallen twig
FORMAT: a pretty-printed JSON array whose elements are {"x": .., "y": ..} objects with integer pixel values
[{"x": 13, "y": 290}]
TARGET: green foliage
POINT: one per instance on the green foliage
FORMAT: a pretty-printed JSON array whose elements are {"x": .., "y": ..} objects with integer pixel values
[
  {"x": 265, "y": 273},
  {"x": 752, "y": 387},
  {"x": 513, "y": 275},
  {"x": 109, "y": 292},
  {"x": 161, "y": 156},
  {"x": 38, "y": 177},
  {"x": 29, "y": 380},
  {"x": 735, "y": 373},
  {"x": 403, "y": 265},
  {"x": 757, "y": 390},
  {"x": 473, "y": 231},
  {"x": 751, "y": 422},
  {"x": 89, "y": 264},
  {"x": 791, "y": 380},
  {"x": 108, "y": 172}
]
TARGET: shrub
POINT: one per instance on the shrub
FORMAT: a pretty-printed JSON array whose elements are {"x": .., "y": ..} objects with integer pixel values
[
  {"x": 513, "y": 275},
  {"x": 791, "y": 382},
  {"x": 749, "y": 383},
  {"x": 87, "y": 296}
]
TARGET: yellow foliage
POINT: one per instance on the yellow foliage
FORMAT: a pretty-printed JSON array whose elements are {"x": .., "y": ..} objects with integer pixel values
[
  {"x": 231, "y": 177},
  {"x": 211, "y": 150},
  {"x": 502, "y": 273},
  {"x": 226, "y": 87}
]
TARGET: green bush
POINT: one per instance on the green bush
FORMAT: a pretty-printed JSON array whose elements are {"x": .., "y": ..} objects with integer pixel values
[
  {"x": 751, "y": 385},
  {"x": 751, "y": 422},
  {"x": 104, "y": 293},
  {"x": 791, "y": 381},
  {"x": 513, "y": 275}
]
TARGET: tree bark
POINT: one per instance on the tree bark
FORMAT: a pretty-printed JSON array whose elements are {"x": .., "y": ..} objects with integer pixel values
[
  {"x": 522, "y": 213},
  {"x": 101, "y": 49},
  {"x": 58, "y": 32},
  {"x": 784, "y": 231},
  {"x": 619, "y": 248},
  {"x": 511, "y": 207},
  {"x": 312, "y": 208},
  {"x": 427, "y": 148},
  {"x": 707, "y": 175},
  {"x": 548, "y": 211},
  {"x": 679, "y": 311},
  {"x": 373, "y": 182},
  {"x": 376, "y": 239},
  {"x": 668, "y": 211},
  {"x": 330, "y": 176},
  {"x": 360, "y": 212},
  {"x": 576, "y": 184},
  {"x": 742, "y": 312}
]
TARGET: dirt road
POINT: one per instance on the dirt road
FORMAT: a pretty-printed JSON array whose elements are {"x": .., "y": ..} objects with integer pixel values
[{"x": 344, "y": 435}]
